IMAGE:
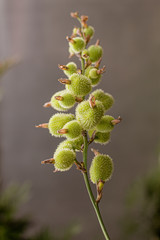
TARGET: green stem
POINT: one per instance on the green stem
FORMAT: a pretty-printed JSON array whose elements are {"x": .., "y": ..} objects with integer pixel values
[
  {"x": 83, "y": 65},
  {"x": 95, "y": 205}
]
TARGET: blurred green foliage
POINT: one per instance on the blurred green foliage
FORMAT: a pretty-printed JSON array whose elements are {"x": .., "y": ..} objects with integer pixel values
[
  {"x": 142, "y": 217},
  {"x": 13, "y": 227}
]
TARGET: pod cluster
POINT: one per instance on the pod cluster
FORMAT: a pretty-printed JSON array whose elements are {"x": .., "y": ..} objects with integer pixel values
[{"x": 91, "y": 106}]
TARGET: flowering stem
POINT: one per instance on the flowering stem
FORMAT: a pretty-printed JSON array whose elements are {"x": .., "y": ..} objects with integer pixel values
[
  {"x": 95, "y": 205},
  {"x": 83, "y": 65}
]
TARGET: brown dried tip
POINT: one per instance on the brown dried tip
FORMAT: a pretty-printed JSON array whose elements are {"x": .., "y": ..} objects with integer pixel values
[
  {"x": 64, "y": 81},
  {"x": 74, "y": 14},
  {"x": 99, "y": 190},
  {"x": 84, "y": 20},
  {"x": 63, "y": 67},
  {"x": 98, "y": 42},
  {"x": 98, "y": 63},
  {"x": 43, "y": 125},
  {"x": 116, "y": 121},
  {"x": 47, "y": 104},
  {"x": 48, "y": 161},
  {"x": 59, "y": 98},
  {"x": 78, "y": 99},
  {"x": 62, "y": 131},
  {"x": 69, "y": 39},
  {"x": 95, "y": 151},
  {"x": 92, "y": 101},
  {"x": 101, "y": 70}
]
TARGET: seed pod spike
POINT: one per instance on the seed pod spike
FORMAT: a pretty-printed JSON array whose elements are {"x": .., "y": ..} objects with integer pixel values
[
  {"x": 101, "y": 70},
  {"x": 95, "y": 151},
  {"x": 97, "y": 42},
  {"x": 48, "y": 161},
  {"x": 98, "y": 63},
  {"x": 74, "y": 14},
  {"x": 43, "y": 125},
  {"x": 64, "y": 81},
  {"x": 62, "y": 131},
  {"x": 92, "y": 101},
  {"x": 69, "y": 39},
  {"x": 116, "y": 121},
  {"x": 47, "y": 104},
  {"x": 62, "y": 67},
  {"x": 59, "y": 98}
]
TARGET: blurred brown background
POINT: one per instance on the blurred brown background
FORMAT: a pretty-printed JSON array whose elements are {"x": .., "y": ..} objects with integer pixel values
[{"x": 35, "y": 30}]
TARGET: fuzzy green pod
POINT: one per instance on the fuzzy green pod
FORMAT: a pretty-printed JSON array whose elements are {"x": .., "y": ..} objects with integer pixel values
[
  {"x": 73, "y": 129},
  {"x": 106, "y": 98},
  {"x": 55, "y": 103},
  {"x": 64, "y": 144},
  {"x": 89, "y": 31},
  {"x": 95, "y": 53},
  {"x": 100, "y": 137},
  {"x": 57, "y": 121},
  {"x": 77, "y": 143},
  {"x": 67, "y": 101},
  {"x": 94, "y": 76},
  {"x": 80, "y": 85},
  {"x": 101, "y": 168},
  {"x": 64, "y": 159},
  {"x": 72, "y": 68},
  {"x": 105, "y": 124},
  {"x": 87, "y": 116},
  {"x": 77, "y": 44}
]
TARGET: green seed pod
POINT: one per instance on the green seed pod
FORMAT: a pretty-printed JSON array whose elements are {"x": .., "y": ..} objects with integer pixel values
[
  {"x": 71, "y": 52},
  {"x": 80, "y": 85},
  {"x": 88, "y": 31},
  {"x": 100, "y": 137},
  {"x": 57, "y": 121},
  {"x": 73, "y": 129},
  {"x": 94, "y": 76},
  {"x": 87, "y": 116},
  {"x": 67, "y": 100},
  {"x": 64, "y": 159},
  {"x": 64, "y": 144},
  {"x": 56, "y": 104},
  {"x": 72, "y": 68},
  {"x": 88, "y": 69},
  {"x": 85, "y": 54},
  {"x": 105, "y": 124},
  {"x": 101, "y": 168},
  {"x": 77, "y": 44},
  {"x": 106, "y": 98},
  {"x": 77, "y": 143},
  {"x": 95, "y": 53}
]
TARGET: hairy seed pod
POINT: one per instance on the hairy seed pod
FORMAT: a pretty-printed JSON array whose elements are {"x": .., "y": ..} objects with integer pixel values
[
  {"x": 57, "y": 121},
  {"x": 106, "y": 98},
  {"x": 95, "y": 53},
  {"x": 88, "y": 31},
  {"x": 77, "y": 143},
  {"x": 68, "y": 100},
  {"x": 72, "y": 68},
  {"x": 77, "y": 45},
  {"x": 100, "y": 137},
  {"x": 80, "y": 85},
  {"x": 101, "y": 168},
  {"x": 55, "y": 103},
  {"x": 73, "y": 129},
  {"x": 94, "y": 76},
  {"x": 64, "y": 144},
  {"x": 64, "y": 159},
  {"x": 87, "y": 116},
  {"x": 105, "y": 124}
]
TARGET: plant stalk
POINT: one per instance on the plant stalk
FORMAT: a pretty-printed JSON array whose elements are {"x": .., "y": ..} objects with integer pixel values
[{"x": 95, "y": 205}]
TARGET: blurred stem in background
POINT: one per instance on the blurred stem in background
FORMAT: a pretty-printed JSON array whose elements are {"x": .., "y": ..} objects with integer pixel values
[{"x": 142, "y": 217}]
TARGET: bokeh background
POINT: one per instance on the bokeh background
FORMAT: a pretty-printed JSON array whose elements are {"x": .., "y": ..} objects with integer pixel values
[{"x": 35, "y": 30}]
